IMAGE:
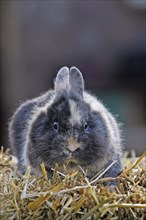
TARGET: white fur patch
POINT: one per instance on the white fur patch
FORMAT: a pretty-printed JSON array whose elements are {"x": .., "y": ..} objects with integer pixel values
[{"x": 75, "y": 113}]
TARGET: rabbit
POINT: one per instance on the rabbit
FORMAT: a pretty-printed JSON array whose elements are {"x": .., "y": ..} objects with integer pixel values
[{"x": 66, "y": 125}]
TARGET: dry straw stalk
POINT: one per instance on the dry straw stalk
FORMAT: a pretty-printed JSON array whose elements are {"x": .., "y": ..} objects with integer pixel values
[{"x": 72, "y": 195}]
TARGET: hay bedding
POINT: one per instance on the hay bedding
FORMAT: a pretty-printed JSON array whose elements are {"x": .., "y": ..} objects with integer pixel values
[{"x": 72, "y": 195}]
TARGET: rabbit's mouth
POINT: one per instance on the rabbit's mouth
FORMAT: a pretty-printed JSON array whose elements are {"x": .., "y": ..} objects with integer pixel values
[{"x": 71, "y": 159}]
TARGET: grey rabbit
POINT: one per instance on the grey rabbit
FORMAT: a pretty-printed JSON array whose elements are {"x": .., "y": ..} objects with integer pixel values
[{"x": 66, "y": 125}]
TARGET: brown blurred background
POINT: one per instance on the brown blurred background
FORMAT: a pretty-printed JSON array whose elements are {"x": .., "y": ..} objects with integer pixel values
[{"x": 104, "y": 39}]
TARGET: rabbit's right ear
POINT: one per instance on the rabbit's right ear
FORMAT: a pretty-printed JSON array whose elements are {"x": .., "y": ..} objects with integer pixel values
[
  {"x": 61, "y": 83},
  {"x": 76, "y": 81}
]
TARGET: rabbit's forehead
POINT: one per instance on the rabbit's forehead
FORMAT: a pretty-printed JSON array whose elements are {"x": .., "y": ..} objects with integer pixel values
[{"x": 75, "y": 113}]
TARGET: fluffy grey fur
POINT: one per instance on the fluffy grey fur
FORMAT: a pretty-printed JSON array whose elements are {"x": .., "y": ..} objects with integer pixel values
[{"x": 66, "y": 125}]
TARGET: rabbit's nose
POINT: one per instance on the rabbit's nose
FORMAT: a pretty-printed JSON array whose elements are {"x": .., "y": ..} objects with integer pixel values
[{"x": 72, "y": 145}]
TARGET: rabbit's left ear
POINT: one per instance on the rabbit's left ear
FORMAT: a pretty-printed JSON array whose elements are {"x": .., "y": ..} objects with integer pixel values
[
  {"x": 76, "y": 81},
  {"x": 61, "y": 83}
]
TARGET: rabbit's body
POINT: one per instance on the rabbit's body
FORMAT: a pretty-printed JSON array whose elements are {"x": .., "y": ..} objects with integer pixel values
[{"x": 66, "y": 126}]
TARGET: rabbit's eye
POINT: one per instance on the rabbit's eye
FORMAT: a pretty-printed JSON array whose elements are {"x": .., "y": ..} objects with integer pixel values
[
  {"x": 56, "y": 126},
  {"x": 85, "y": 125}
]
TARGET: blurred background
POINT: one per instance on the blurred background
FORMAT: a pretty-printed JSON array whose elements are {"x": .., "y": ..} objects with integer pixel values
[{"x": 106, "y": 40}]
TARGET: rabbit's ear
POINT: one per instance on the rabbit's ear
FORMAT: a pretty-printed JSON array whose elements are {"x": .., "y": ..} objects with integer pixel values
[
  {"x": 62, "y": 80},
  {"x": 76, "y": 80}
]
